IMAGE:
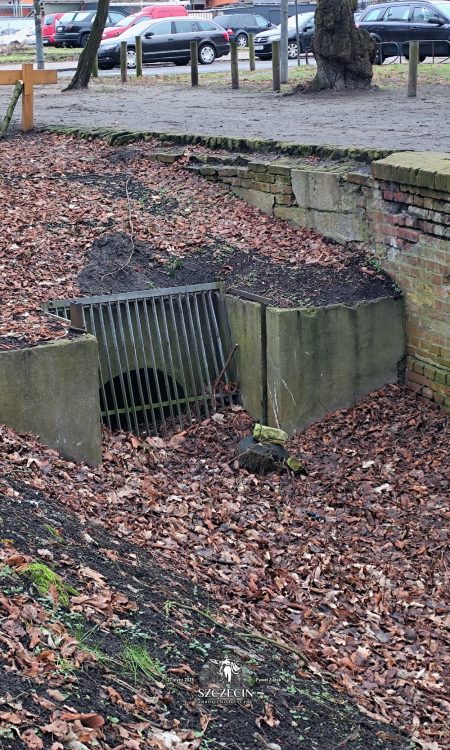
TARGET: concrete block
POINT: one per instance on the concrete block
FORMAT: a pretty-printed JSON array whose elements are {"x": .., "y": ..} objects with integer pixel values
[
  {"x": 264, "y": 201},
  {"x": 52, "y": 390},
  {"x": 322, "y": 359},
  {"x": 244, "y": 318}
]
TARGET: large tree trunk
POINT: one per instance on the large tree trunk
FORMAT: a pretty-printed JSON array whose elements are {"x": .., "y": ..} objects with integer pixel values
[
  {"x": 84, "y": 68},
  {"x": 344, "y": 54}
]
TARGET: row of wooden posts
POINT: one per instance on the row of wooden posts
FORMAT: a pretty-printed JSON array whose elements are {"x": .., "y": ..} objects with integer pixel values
[{"x": 276, "y": 73}]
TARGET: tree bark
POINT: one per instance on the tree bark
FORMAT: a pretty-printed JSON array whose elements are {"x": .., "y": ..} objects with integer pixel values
[
  {"x": 344, "y": 54},
  {"x": 38, "y": 31},
  {"x": 84, "y": 68}
]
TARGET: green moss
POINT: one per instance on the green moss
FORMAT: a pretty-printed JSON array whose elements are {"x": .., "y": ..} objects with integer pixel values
[{"x": 44, "y": 577}]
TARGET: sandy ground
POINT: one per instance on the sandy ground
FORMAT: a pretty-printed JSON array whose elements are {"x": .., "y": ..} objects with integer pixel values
[{"x": 379, "y": 118}]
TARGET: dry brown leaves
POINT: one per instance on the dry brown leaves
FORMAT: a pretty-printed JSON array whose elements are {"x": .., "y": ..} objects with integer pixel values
[
  {"x": 350, "y": 563},
  {"x": 52, "y": 213}
]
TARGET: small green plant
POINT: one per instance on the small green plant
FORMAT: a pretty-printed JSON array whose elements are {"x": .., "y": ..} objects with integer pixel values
[
  {"x": 138, "y": 661},
  {"x": 202, "y": 648},
  {"x": 44, "y": 577},
  {"x": 54, "y": 532},
  {"x": 174, "y": 265},
  {"x": 375, "y": 263}
]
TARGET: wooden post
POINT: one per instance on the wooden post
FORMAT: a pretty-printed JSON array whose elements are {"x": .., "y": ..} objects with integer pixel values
[
  {"x": 251, "y": 51},
  {"x": 95, "y": 67},
  {"x": 234, "y": 65},
  {"x": 413, "y": 68},
  {"x": 276, "y": 76},
  {"x": 123, "y": 62},
  {"x": 29, "y": 78},
  {"x": 18, "y": 88},
  {"x": 194, "y": 64},
  {"x": 27, "y": 97},
  {"x": 138, "y": 42}
]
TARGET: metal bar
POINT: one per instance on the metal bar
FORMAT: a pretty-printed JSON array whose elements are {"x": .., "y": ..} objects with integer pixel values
[
  {"x": 217, "y": 330},
  {"x": 136, "y": 360},
  {"x": 147, "y": 294},
  {"x": 193, "y": 342},
  {"x": 180, "y": 358},
  {"x": 172, "y": 368},
  {"x": 155, "y": 368},
  {"x": 188, "y": 351},
  {"x": 111, "y": 377},
  {"x": 120, "y": 373},
  {"x": 144, "y": 359},
  {"x": 208, "y": 377},
  {"x": 163, "y": 359},
  {"x": 211, "y": 339},
  {"x": 127, "y": 365},
  {"x": 102, "y": 380}
]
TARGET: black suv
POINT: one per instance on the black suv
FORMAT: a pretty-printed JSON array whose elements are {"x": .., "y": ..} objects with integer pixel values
[
  {"x": 72, "y": 29},
  {"x": 395, "y": 24},
  {"x": 240, "y": 25}
]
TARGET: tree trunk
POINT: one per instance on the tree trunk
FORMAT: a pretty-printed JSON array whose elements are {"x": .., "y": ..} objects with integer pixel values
[
  {"x": 38, "y": 31},
  {"x": 344, "y": 54},
  {"x": 84, "y": 68}
]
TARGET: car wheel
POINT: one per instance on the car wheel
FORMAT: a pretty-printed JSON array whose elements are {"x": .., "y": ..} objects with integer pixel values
[
  {"x": 292, "y": 50},
  {"x": 83, "y": 40},
  {"x": 131, "y": 58},
  {"x": 185, "y": 61},
  {"x": 379, "y": 56},
  {"x": 206, "y": 54},
  {"x": 242, "y": 40},
  {"x": 422, "y": 58}
]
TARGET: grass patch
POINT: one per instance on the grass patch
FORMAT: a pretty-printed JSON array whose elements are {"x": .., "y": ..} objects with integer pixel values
[
  {"x": 28, "y": 54},
  {"x": 139, "y": 662},
  {"x": 43, "y": 577},
  {"x": 385, "y": 76}
]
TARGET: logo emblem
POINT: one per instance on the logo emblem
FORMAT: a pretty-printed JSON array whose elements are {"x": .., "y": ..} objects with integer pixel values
[{"x": 224, "y": 681}]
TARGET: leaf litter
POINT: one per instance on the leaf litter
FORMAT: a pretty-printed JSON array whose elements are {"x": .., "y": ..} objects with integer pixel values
[{"x": 347, "y": 566}]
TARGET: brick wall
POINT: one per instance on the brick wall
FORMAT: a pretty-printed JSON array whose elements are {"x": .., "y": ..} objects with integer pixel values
[{"x": 410, "y": 222}]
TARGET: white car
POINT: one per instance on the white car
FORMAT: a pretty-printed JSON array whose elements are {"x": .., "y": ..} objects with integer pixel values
[{"x": 24, "y": 35}]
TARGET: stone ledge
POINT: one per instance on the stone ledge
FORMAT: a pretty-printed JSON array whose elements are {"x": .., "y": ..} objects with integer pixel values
[{"x": 421, "y": 169}]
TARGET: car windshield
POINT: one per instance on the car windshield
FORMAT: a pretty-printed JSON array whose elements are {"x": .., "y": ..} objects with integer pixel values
[
  {"x": 81, "y": 16},
  {"x": 67, "y": 17},
  {"x": 128, "y": 19},
  {"x": 302, "y": 17},
  {"x": 444, "y": 8}
]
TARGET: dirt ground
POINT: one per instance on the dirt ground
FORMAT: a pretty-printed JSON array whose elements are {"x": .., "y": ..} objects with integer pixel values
[{"x": 380, "y": 118}]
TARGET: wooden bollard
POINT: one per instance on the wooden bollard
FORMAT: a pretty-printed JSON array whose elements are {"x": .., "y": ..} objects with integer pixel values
[
  {"x": 138, "y": 43},
  {"x": 234, "y": 65},
  {"x": 194, "y": 63},
  {"x": 251, "y": 51},
  {"x": 276, "y": 73},
  {"x": 95, "y": 67},
  {"x": 413, "y": 68},
  {"x": 123, "y": 62}
]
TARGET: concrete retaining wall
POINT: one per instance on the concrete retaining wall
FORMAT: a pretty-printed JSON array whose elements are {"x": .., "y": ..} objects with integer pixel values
[
  {"x": 318, "y": 359},
  {"x": 52, "y": 391}
]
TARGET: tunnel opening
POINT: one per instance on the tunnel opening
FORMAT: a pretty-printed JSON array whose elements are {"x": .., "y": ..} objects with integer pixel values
[{"x": 141, "y": 400}]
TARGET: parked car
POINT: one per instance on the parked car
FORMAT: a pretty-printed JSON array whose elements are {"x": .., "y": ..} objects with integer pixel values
[
  {"x": 73, "y": 28},
  {"x": 397, "y": 23},
  {"x": 240, "y": 25},
  {"x": 167, "y": 40},
  {"x": 22, "y": 35},
  {"x": 150, "y": 11},
  {"x": 48, "y": 28},
  {"x": 263, "y": 42},
  {"x": 271, "y": 11}
]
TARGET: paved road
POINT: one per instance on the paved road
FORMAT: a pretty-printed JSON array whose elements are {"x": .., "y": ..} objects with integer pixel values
[{"x": 378, "y": 118}]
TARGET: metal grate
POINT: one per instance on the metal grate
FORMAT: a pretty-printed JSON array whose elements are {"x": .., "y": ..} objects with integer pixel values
[{"x": 163, "y": 354}]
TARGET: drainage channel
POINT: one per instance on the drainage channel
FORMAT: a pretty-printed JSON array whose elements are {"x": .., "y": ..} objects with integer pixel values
[{"x": 164, "y": 355}]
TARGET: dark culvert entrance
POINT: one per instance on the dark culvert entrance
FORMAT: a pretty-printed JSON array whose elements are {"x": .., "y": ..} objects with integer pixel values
[{"x": 164, "y": 355}]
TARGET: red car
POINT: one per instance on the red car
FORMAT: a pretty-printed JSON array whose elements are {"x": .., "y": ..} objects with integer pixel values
[
  {"x": 150, "y": 11},
  {"x": 48, "y": 28}
]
